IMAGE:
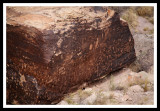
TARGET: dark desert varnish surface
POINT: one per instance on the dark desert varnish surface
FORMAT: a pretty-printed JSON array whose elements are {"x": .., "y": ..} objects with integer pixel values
[{"x": 45, "y": 62}]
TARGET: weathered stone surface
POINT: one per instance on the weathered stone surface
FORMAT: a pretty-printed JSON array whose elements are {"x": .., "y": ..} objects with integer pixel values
[
  {"x": 136, "y": 88},
  {"x": 53, "y": 50}
]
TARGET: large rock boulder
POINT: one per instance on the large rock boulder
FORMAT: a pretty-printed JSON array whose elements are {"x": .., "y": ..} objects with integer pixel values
[{"x": 51, "y": 51}]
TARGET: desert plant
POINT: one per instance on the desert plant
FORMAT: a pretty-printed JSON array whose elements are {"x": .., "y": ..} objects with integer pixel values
[
  {"x": 131, "y": 17},
  {"x": 146, "y": 29},
  {"x": 69, "y": 101},
  {"x": 111, "y": 96},
  {"x": 151, "y": 31},
  {"x": 112, "y": 86},
  {"x": 145, "y": 87},
  {"x": 83, "y": 94},
  {"x": 150, "y": 19},
  {"x": 119, "y": 9},
  {"x": 145, "y": 11},
  {"x": 101, "y": 99}
]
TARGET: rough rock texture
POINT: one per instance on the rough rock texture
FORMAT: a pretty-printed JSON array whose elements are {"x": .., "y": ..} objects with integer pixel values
[{"x": 53, "y": 50}]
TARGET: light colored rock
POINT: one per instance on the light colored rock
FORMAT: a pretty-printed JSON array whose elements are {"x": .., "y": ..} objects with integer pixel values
[
  {"x": 88, "y": 90},
  {"x": 90, "y": 99},
  {"x": 135, "y": 88},
  {"x": 140, "y": 78},
  {"x": 107, "y": 94},
  {"x": 146, "y": 76},
  {"x": 117, "y": 95},
  {"x": 62, "y": 103},
  {"x": 126, "y": 98},
  {"x": 144, "y": 48}
]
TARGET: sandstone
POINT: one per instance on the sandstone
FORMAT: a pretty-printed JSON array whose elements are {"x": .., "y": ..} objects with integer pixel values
[{"x": 51, "y": 51}]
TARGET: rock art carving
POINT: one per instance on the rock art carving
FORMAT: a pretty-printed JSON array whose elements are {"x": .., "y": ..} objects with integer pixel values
[{"x": 51, "y": 51}]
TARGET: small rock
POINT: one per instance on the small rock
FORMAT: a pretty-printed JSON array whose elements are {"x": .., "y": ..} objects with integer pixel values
[
  {"x": 62, "y": 103},
  {"x": 135, "y": 88},
  {"x": 117, "y": 95},
  {"x": 88, "y": 89},
  {"x": 126, "y": 98},
  {"x": 146, "y": 76},
  {"x": 90, "y": 99}
]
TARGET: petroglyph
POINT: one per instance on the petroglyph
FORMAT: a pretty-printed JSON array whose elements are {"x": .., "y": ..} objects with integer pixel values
[{"x": 52, "y": 51}]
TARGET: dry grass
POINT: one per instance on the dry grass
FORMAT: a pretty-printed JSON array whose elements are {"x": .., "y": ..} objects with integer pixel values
[
  {"x": 131, "y": 17},
  {"x": 119, "y": 9},
  {"x": 150, "y": 19},
  {"x": 143, "y": 83},
  {"x": 69, "y": 101},
  {"x": 84, "y": 94},
  {"x": 146, "y": 29},
  {"x": 131, "y": 14},
  {"x": 112, "y": 86},
  {"x": 145, "y": 11},
  {"x": 151, "y": 31},
  {"x": 69, "y": 97},
  {"x": 104, "y": 100},
  {"x": 101, "y": 99},
  {"x": 111, "y": 96},
  {"x": 146, "y": 82}
]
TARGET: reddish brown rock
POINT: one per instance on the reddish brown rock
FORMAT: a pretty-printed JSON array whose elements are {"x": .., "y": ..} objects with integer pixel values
[{"x": 53, "y": 50}]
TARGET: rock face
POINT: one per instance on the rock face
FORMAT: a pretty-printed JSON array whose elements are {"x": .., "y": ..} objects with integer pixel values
[{"x": 51, "y": 51}]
